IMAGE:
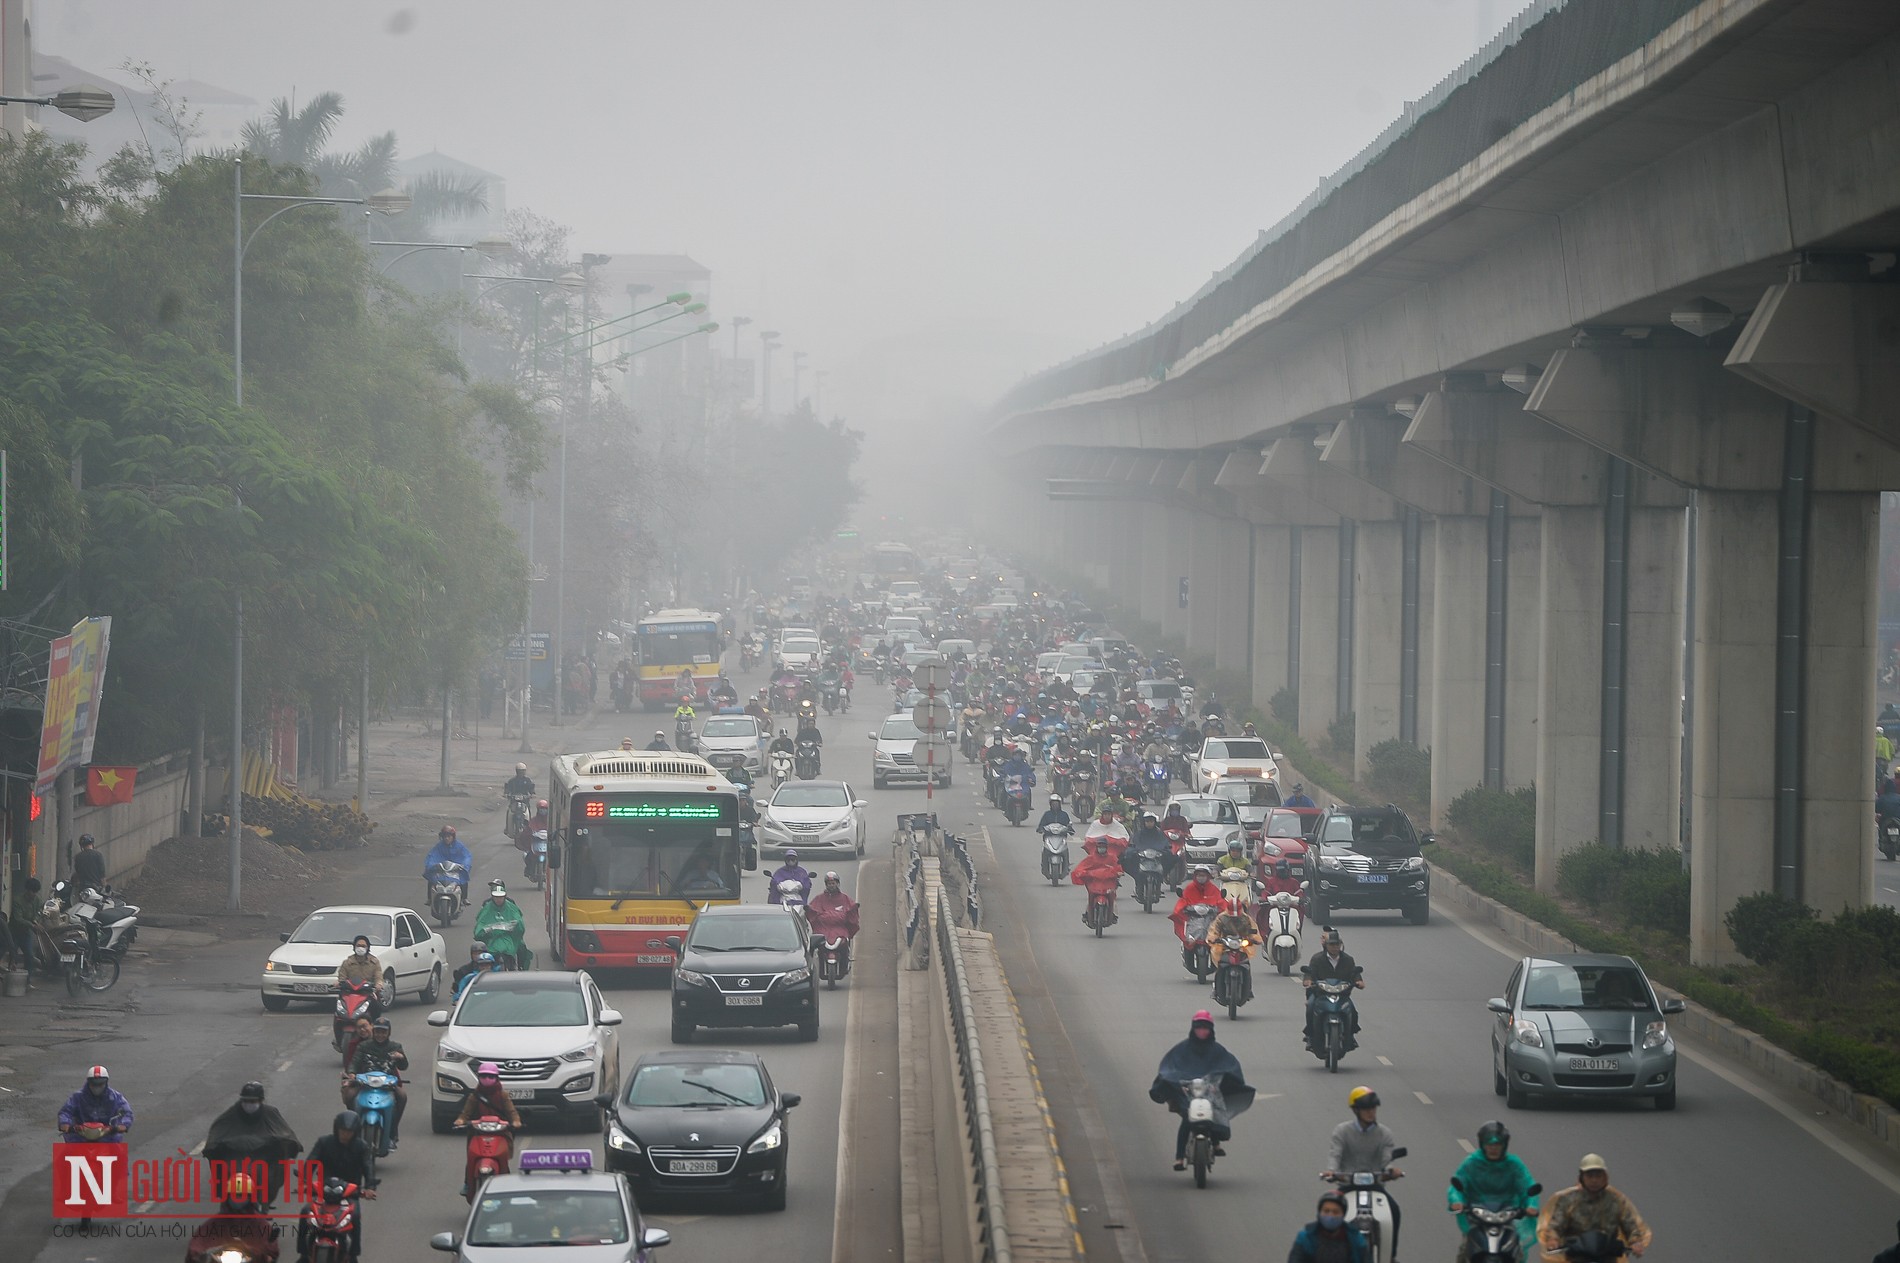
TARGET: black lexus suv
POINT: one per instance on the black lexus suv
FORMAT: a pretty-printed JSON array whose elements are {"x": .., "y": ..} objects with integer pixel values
[{"x": 1368, "y": 857}]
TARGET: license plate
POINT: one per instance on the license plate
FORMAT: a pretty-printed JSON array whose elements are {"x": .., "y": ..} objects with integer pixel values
[
  {"x": 693, "y": 1166},
  {"x": 1593, "y": 1063},
  {"x": 740, "y": 1001},
  {"x": 521, "y": 1094},
  {"x": 652, "y": 960},
  {"x": 1373, "y": 879},
  {"x": 310, "y": 988}
]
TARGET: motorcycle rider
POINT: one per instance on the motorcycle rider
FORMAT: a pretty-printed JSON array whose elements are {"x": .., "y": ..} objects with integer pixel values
[
  {"x": 1363, "y": 1143},
  {"x": 253, "y": 1132},
  {"x": 833, "y": 914},
  {"x": 1591, "y": 1205},
  {"x": 1233, "y": 922},
  {"x": 1330, "y": 964},
  {"x": 97, "y": 1102},
  {"x": 791, "y": 870},
  {"x": 242, "y": 1222},
  {"x": 379, "y": 1052},
  {"x": 995, "y": 754},
  {"x": 361, "y": 966},
  {"x": 1202, "y": 889},
  {"x": 520, "y": 783},
  {"x": 1199, "y": 1056},
  {"x": 500, "y": 909},
  {"x": 1018, "y": 767},
  {"x": 1493, "y": 1177},
  {"x": 1107, "y": 832},
  {"x": 484, "y": 962},
  {"x": 524, "y": 841},
  {"x": 1276, "y": 880},
  {"x": 1329, "y": 1238},
  {"x": 755, "y": 707},
  {"x": 809, "y": 742},
  {"x": 342, "y": 1155},
  {"x": 1300, "y": 797},
  {"x": 1055, "y": 815},
  {"x": 488, "y": 1098},
  {"x": 781, "y": 744},
  {"x": 658, "y": 743},
  {"x": 1099, "y": 872},
  {"x": 449, "y": 849}
]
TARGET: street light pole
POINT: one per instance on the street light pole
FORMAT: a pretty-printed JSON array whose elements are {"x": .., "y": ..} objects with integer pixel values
[
  {"x": 798, "y": 373},
  {"x": 767, "y": 342}
]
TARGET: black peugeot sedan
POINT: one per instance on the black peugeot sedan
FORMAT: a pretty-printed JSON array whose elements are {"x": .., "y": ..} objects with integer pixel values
[
  {"x": 744, "y": 965},
  {"x": 695, "y": 1122}
]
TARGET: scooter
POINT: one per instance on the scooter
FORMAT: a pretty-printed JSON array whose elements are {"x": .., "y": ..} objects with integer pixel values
[
  {"x": 683, "y": 738},
  {"x": 1890, "y": 837},
  {"x": 1238, "y": 884},
  {"x": 834, "y": 960},
  {"x": 233, "y": 1239},
  {"x": 781, "y": 767},
  {"x": 791, "y": 895},
  {"x": 1493, "y": 1237},
  {"x": 1016, "y": 802},
  {"x": 1594, "y": 1247},
  {"x": 448, "y": 892},
  {"x": 1158, "y": 781},
  {"x": 90, "y": 1134},
  {"x": 504, "y": 939},
  {"x": 353, "y": 1000},
  {"x": 517, "y": 816},
  {"x": 1233, "y": 975},
  {"x": 534, "y": 864},
  {"x": 112, "y": 925},
  {"x": 1205, "y": 1131},
  {"x": 375, "y": 1103},
  {"x": 1150, "y": 870},
  {"x": 1100, "y": 914},
  {"x": 1280, "y": 924},
  {"x": 490, "y": 1146},
  {"x": 1334, "y": 1016},
  {"x": 1368, "y": 1208},
  {"x": 328, "y": 1222},
  {"x": 1055, "y": 852},
  {"x": 806, "y": 761},
  {"x": 1197, "y": 956}
]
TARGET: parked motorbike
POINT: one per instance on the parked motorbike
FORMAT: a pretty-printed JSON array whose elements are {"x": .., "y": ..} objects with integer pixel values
[
  {"x": 1280, "y": 926},
  {"x": 375, "y": 1105},
  {"x": 328, "y": 1223},
  {"x": 1494, "y": 1236},
  {"x": 517, "y": 816},
  {"x": 1368, "y": 1208},
  {"x": 534, "y": 863},
  {"x": 490, "y": 1146},
  {"x": 1233, "y": 975},
  {"x": 112, "y": 925},
  {"x": 1150, "y": 871},
  {"x": 448, "y": 892},
  {"x": 834, "y": 960},
  {"x": 1055, "y": 852},
  {"x": 1334, "y": 1017},
  {"x": 781, "y": 767},
  {"x": 1197, "y": 956}
]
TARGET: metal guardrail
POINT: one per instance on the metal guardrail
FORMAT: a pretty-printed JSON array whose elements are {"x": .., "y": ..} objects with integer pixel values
[{"x": 976, "y": 1095}]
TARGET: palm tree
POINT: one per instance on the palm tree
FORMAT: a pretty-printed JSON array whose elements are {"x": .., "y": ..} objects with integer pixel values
[{"x": 295, "y": 138}]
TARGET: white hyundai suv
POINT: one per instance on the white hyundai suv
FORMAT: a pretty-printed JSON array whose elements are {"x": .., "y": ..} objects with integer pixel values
[{"x": 550, "y": 1033}]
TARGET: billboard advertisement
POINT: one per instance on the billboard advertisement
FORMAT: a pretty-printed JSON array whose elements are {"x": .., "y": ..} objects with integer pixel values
[{"x": 74, "y": 679}]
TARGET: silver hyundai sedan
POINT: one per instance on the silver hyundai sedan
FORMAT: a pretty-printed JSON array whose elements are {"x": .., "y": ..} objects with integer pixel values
[{"x": 1582, "y": 1026}]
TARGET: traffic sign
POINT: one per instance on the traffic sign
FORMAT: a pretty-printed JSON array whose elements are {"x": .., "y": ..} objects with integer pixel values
[
  {"x": 931, "y": 675},
  {"x": 931, "y": 750},
  {"x": 932, "y": 715},
  {"x": 540, "y": 642}
]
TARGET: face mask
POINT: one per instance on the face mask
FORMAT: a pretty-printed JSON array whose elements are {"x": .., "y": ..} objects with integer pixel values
[
  {"x": 1331, "y": 1222},
  {"x": 362, "y": 952},
  {"x": 250, "y": 1107},
  {"x": 97, "y": 1089}
]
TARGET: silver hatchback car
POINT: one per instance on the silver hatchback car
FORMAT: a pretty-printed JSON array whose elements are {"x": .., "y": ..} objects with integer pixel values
[{"x": 1582, "y": 1026}]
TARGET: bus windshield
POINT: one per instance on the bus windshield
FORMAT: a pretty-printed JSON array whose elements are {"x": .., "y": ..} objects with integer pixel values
[
  {"x": 678, "y": 645},
  {"x": 673, "y": 846}
]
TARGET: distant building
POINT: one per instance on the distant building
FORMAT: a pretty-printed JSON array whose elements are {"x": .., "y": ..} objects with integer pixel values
[
  {"x": 670, "y": 382},
  {"x": 221, "y": 113},
  {"x": 488, "y": 223}
]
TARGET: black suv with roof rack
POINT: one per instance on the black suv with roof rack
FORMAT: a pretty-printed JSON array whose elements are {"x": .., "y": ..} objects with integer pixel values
[{"x": 1368, "y": 857}]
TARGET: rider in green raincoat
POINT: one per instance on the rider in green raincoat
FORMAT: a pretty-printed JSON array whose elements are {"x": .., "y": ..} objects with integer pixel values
[{"x": 498, "y": 911}]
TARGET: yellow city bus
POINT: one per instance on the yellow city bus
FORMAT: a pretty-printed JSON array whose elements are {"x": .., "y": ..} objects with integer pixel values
[
  {"x": 672, "y": 641},
  {"x": 639, "y": 842}
]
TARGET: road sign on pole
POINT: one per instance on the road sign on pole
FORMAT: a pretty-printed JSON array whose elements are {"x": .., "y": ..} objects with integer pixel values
[
  {"x": 931, "y": 676},
  {"x": 932, "y": 715}
]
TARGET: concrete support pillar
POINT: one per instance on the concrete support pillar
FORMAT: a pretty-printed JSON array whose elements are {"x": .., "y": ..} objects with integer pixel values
[
  {"x": 1841, "y": 607},
  {"x": 1233, "y": 579},
  {"x": 1177, "y": 540},
  {"x": 1651, "y": 809},
  {"x": 1202, "y": 568},
  {"x": 1120, "y": 542},
  {"x": 1274, "y": 608},
  {"x": 1523, "y": 648},
  {"x": 1319, "y": 630},
  {"x": 1378, "y": 609},
  {"x": 1157, "y": 590},
  {"x": 1570, "y": 676},
  {"x": 1461, "y": 557},
  {"x": 1424, "y": 702}
]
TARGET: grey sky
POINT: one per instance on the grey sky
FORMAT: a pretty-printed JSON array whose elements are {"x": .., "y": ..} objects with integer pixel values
[{"x": 930, "y": 198}]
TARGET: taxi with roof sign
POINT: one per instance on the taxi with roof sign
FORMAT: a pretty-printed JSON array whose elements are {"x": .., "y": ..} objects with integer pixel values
[{"x": 555, "y": 1205}]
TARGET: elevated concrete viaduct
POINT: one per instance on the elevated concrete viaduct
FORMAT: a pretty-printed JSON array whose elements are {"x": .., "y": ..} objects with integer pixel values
[{"x": 1548, "y": 435}]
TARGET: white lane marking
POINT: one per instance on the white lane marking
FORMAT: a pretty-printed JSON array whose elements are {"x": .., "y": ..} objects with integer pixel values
[
  {"x": 1385, "y": 1061},
  {"x": 1466, "y": 1145},
  {"x": 847, "y": 1106},
  {"x": 1422, "y": 1098},
  {"x": 285, "y": 1066},
  {"x": 1867, "y": 1166}
]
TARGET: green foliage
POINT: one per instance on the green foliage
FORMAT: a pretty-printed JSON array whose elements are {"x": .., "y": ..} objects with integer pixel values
[
  {"x": 1285, "y": 705},
  {"x": 1503, "y": 822},
  {"x": 1642, "y": 889},
  {"x": 795, "y": 473},
  {"x": 1402, "y": 770},
  {"x": 1759, "y": 924},
  {"x": 1340, "y": 734}
]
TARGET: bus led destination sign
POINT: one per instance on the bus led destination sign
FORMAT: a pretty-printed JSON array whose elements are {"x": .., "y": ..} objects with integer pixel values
[{"x": 659, "y": 808}]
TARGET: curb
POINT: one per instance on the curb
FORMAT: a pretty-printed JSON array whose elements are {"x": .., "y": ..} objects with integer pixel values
[{"x": 1873, "y": 1116}]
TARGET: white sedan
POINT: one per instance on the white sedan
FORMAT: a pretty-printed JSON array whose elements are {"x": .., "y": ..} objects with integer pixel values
[
  {"x": 1232, "y": 756},
  {"x": 304, "y": 968},
  {"x": 809, "y": 815}
]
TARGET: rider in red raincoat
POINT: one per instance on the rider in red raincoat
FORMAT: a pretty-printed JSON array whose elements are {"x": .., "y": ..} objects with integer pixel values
[
  {"x": 1202, "y": 888},
  {"x": 1100, "y": 871}
]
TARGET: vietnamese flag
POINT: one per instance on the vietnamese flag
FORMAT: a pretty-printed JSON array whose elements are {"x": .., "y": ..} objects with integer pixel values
[{"x": 108, "y": 785}]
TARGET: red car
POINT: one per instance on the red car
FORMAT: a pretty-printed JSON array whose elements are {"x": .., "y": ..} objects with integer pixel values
[{"x": 1284, "y": 832}]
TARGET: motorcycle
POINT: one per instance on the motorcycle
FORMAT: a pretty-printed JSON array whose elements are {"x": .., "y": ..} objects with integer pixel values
[
  {"x": 791, "y": 895},
  {"x": 448, "y": 892},
  {"x": 1206, "y": 1131},
  {"x": 1238, "y": 884},
  {"x": 233, "y": 1239},
  {"x": 1890, "y": 837},
  {"x": 1280, "y": 925},
  {"x": 1197, "y": 956},
  {"x": 490, "y": 1146},
  {"x": 748, "y": 655},
  {"x": 1334, "y": 1017},
  {"x": 1055, "y": 852},
  {"x": 1016, "y": 801},
  {"x": 834, "y": 960},
  {"x": 1233, "y": 975},
  {"x": 63, "y": 937},
  {"x": 534, "y": 864},
  {"x": 1082, "y": 786},
  {"x": 781, "y": 767},
  {"x": 1368, "y": 1208},
  {"x": 683, "y": 739},
  {"x": 89, "y": 1134},
  {"x": 1100, "y": 913},
  {"x": 375, "y": 1103},
  {"x": 505, "y": 940},
  {"x": 112, "y": 925},
  {"x": 806, "y": 761},
  {"x": 353, "y": 1000},
  {"x": 1594, "y": 1247},
  {"x": 1150, "y": 869},
  {"x": 517, "y": 816},
  {"x": 328, "y": 1224},
  {"x": 1493, "y": 1236},
  {"x": 1158, "y": 780}
]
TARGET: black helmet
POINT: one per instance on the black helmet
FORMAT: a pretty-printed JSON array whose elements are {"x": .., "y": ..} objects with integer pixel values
[
  {"x": 346, "y": 1120},
  {"x": 252, "y": 1091},
  {"x": 1494, "y": 1133}
]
